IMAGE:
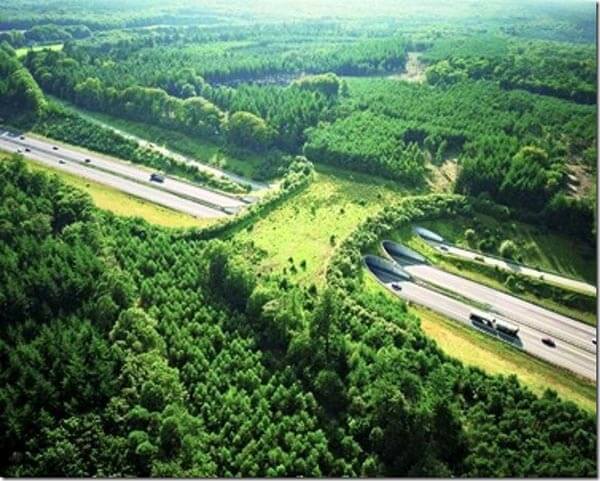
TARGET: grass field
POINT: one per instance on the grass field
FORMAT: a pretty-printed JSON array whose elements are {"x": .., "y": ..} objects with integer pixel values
[
  {"x": 476, "y": 349},
  {"x": 302, "y": 228},
  {"x": 124, "y": 204},
  {"x": 21, "y": 52},
  {"x": 201, "y": 150}
]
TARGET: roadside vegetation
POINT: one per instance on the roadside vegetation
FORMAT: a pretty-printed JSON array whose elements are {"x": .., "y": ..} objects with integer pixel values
[
  {"x": 247, "y": 164},
  {"x": 476, "y": 349},
  {"x": 562, "y": 300},
  {"x": 120, "y": 203},
  {"x": 534, "y": 245},
  {"x": 257, "y": 345}
]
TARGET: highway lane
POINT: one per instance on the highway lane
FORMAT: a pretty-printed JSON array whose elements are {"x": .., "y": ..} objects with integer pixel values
[
  {"x": 142, "y": 191},
  {"x": 528, "y": 339},
  {"x": 124, "y": 169},
  {"x": 255, "y": 185},
  {"x": 525, "y": 313},
  {"x": 549, "y": 277}
]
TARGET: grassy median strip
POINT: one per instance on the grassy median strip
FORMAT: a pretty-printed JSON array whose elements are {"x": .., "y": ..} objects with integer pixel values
[
  {"x": 486, "y": 275},
  {"x": 123, "y": 204}
]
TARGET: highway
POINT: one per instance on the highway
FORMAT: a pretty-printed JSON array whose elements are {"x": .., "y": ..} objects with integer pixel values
[
  {"x": 542, "y": 320},
  {"x": 563, "y": 355},
  {"x": 255, "y": 185},
  {"x": 445, "y": 248},
  {"x": 574, "y": 347},
  {"x": 134, "y": 186},
  {"x": 123, "y": 169}
]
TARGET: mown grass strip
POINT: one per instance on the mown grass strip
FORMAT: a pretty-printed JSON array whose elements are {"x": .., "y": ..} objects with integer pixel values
[{"x": 123, "y": 204}]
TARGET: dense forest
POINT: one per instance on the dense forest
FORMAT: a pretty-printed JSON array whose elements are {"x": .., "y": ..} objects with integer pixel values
[
  {"x": 174, "y": 359},
  {"x": 130, "y": 349},
  {"x": 550, "y": 68}
]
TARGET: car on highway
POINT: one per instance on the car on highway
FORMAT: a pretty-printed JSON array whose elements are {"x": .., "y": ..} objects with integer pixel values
[
  {"x": 548, "y": 341},
  {"x": 87, "y": 161},
  {"x": 61, "y": 161},
  {"x": 396, "y": 286},
  {"x": 54, "y": 147},
  {"x": 444, "y": 248},
  {"x": 156, "y": 177},
  {"x": 27, "y": 149},
  {"x": 594, "y": 340}
]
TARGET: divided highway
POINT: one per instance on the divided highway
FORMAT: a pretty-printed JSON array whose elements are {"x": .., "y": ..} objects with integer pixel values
[
  {"x": 255, "y": 185},
  {"x": 525, "y": 313},
  {"x": 135, "y": 180},
  {"x": 528, "y": 339},
  {"x": 446, "y": 248},
  {"x": 574, "y": 347}
]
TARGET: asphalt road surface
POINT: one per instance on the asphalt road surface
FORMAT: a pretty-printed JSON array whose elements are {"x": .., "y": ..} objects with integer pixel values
[
  {"x": 125, "y": 169},
  {"x": 144, "y": 190},
  {"x": 549, "y": 277},
  {"x": 255, "y": 185},
  {"x": 566, "y": 332},
  {"x": 529, "y": 339},
  {"x": 557, "y": 326}
]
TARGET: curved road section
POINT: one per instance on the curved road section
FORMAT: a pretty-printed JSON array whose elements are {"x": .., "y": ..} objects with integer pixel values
[
  {"x": 526, "y": 313},
  {"x": 572, "y": 356},
  {"x": 444, "y": 247}
]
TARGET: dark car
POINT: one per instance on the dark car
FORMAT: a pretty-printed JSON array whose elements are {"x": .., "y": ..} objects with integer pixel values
[
  {"x": 54, "y": 147},
  {"x": 396, "y": 286},
  {"x": 27, "y": 149},
  {"x": 156, "y": 177},
  {"x": 594, "y": 340},
  {"x": 548, "y": 342},
  {"x": 87, "y": 161},
  {"x": 22, "y": 137},
  {"x": 61, "y": 161}
]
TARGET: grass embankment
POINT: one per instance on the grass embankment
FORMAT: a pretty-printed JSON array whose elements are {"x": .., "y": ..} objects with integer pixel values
[
  {"x": 489, "y": 277},
  {"x": 539, "y": 249},
  {"x": 210, "y": 153},
  {"x": 21, "y": 52},
  {"x": 476, "y": 349},
  {"x": 310, "y": 225},
  {"x": 124, "y": 204}
]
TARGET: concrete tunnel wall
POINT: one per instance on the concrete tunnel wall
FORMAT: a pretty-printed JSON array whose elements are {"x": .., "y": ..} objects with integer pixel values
[
  {"x": 427, "y": 234},
  {"x": 402, "y": 254},
  {"x": 385, "y": 270}
]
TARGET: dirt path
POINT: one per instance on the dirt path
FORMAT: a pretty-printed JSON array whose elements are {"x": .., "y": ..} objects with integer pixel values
[{"x": 415, "y": 69}]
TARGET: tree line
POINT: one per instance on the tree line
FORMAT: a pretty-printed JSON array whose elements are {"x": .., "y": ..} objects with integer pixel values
[
  {"x": 513, "y": 146},
  {"x": 176, "y": 359},
  {"x": 561, "y": 70}
]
